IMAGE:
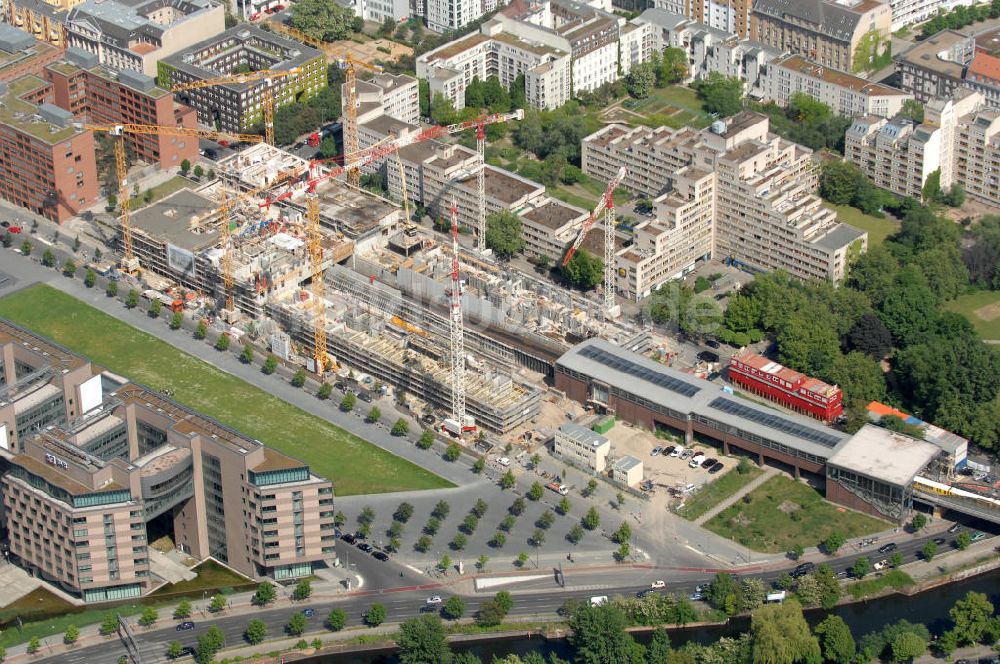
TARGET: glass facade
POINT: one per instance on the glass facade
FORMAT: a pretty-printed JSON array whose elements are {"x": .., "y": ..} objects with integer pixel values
[
  {"x": 109, "y": 445},
  {"x": 50, "y": 411},
  {"x": 270, "y": 477},
  {"x": 113, "y": 593},
  {"x": 149, "y": 437},
  {"x": 215, "y": 508},
  {"x": 891, "y": 500},
  {"x": 293, "y": 571}
]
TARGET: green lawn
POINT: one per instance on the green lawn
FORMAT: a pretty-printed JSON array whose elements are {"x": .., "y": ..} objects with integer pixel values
[
  {"x": 982, "y": 308},
  {"x": 878, "y": 229},
  {"x": 677, "y": 101},
  {"x": 354, "y": 465},
  {"x": 161, "y": 191},
  {"x": 783, "y": 512},
  {"x": 716, "y": 492},
  {"x": 212, "y": 578}
]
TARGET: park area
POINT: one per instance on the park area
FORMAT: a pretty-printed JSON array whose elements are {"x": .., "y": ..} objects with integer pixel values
[
  {"x": 715, "y": 492},
  {"x": 674, "y": 106},
  {"x": 982, "y": 309},
  {"x": 782, "y": 513},
  {"x": 354, "y": 465}
]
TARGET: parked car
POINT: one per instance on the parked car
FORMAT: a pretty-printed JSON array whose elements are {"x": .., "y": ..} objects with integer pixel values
[
  {"x": 349, "y": 538},
  {"x": 687, "y": 454},
  {"x": 667, "y": 451},
  {"x": 381, "y": 555},
  {"x": 712, "y": 343},
  {"x": 708, "y": 356},
  {"x": 716, "y": 468},
  {"x": 185, "y": 626},
  {"x": 366, "y": 547},
  {"x": 709, "y": 462},
  {"x": 436, "y": 599},
  {"x": 939, "y": 541},
  {"x": 696, "y": 596},
  {"x": 696, "y": 460},
  {"x": 955, "y": 528},
  {"x": 677, "y": 451},
  {"x": 888, "y": 548},
  {"x": 364, "y": 396},
  {"x": 659, "y": 583},
  {"x": 598, "y": 600},
  {"x": 978, "y": 535},
  {"x": 881, "y": 565},
  {"x": 504, "y": 461},
  {"x": 308, "y": 613},
  {"x": 656, "y": 451},
  {"x": 803, "y": 569}
]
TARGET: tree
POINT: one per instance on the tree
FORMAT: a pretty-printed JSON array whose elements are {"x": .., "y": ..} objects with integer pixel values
[
  {"x": 441, "y": 509},
  {"x": 972, "y": 616},
  {"x": 198, "y": 171},
  {"x": 563, "y": 506},
  {"x": 592, "y": 519},
  {"x": 907, "y": 646},
  {"x": 859, "y": 376},
  {"x": 835, "y": 640},
  {"x": 452, "y": 452},
  {"x": 479, "y": 508},
  {"x": 598, "y": 635},
  {"x": 89, "y": 278},
  {"x": 504, "y": 233},
  {"x": 255, "y": 632},
  {"x": 584, "y": 270},
  {"x": 299, "y": 378},
  {"x": 724, "y": 594},
  {"x": 623, "y": 534},
  {"x": 640, "y": 81},
  {"x": 176, "y": 320},
  {"x": 322, "y": 20},
  {"x": 426, "y": 439},
  {"x": 454, "y": 608},
  {"x": 575, "y": 534},
  {"x": 149, "y": 616},
  {"x": 201, "y": 331},
  {"x": 517, "y": 507},
  {"x": 870, "y": 336},
  {"x": 658, "y": 650},
  {"x": 498, "y": 540},
  {"x": 217, "y": 604},
  {"x": 72, "y": 635},
  {"x": 155, "y": 306},
  {"x": 265, "y": 594},
  {"x": 175, "y": 650},
  {"x": 507, "y": 480},
  {"x": 442, "y": 110},
  {"x": 423, "y": 640},
  {"x": 913, "y": 110},
  {"x": 752, "y": 593},
  {"x": 34, "y": 645},
  {"x": 336, "y": 620},
  {"x": 26, "y": 249},
  {"x": 303, "y": 590},
  {"x": 183, "y": 610},
  {"x": 222, "y": 343},
  {"x": 522, "y": 559},
  {"x": 780, "y": 635},
  {"x": 348, "y": 402},
  {"x": 591, "y": 488},
  {"x": 185, "y": 167},
  {"x": 673, "y": 66},
  {"x": 400, "y": 428},
  {"x": 861, "y": 568},
  {"x": 918, "y": 522},
  {"x": 375, "y": 615},
  {"x": 459, "y": 542},
  {"x": 296, "y": 625},
  {"x": 536, "y": 491},
  {"x": 69, "y": 268},
  {"x": 833, "y": 543},
  {"x": 490, "y": 614},
  {"x": 324, "y": 392},
  {"x": 445, "y": 563},
  {"x": 109, "y": 623},
  {"x": 270, "y": 365},
  {"x": 209, "y": 644},
  {"x": 478, "y": 466},
  {"x": 374, "y": 415},
  {"x": 963, "y": 540},
  {"x": 929, "y": 551},
  {"x": 48, "y": 258},
  {"x": 720, "y": 94},
  {"x": 537, "y": 537}
]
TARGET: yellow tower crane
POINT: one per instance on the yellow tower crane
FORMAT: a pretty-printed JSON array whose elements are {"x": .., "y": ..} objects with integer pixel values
[
  {"x": 315, "y": 242},
  {"x": 267, "y": 100},
  {"x": 351, "y": 140},
  {"x": 129, "y": 262}
]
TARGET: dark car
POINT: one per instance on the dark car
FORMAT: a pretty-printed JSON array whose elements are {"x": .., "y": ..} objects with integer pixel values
[
  {"x": 721, "y": 296},
  {"x": 427, "y": 419},
  {"x": 364, "y": 396},
  {"x": 381, "y": 555},
  {"x": 349, "y": 538},
  {"x": 712, "y": 343},
  {"x": 709, "y": 462},
  {"x": 716, "y": 468},
  {"x": 888, "y": 548},
  {"x": 210, "y": 153},
  {"x": 708, "y": 356},
  {"x": 803, "y": 569},
  {"x": 185, "y": 626},
  {"x": 340, "y": 386},
  {"x": 366, "y": 547},
  {"x": 667, "y": 450},
  {"x": 939, "y": 541},
  {"x": 954, "y": 529},
  {"x": 308, "y": 613}
]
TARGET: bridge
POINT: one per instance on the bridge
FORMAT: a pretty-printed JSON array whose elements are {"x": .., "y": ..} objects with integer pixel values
[{"x": 958, "y": 500}]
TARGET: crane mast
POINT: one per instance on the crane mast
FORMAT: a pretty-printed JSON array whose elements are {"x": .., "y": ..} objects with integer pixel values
[
  {"x": 481, "y": 187},
  {"x": 318, "y": 287},
  {"x": 457, "y": 329}
]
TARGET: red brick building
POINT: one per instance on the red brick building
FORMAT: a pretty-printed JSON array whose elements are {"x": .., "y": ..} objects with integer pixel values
[
  {"x": 46, "y": 164},
  {"x": 766, "y": 378}
]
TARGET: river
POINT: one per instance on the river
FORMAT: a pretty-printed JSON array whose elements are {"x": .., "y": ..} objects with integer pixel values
[{"x": 929, "y": 607}]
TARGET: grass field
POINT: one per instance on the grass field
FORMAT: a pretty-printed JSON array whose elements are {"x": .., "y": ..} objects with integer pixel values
[
  {"x": 878, "y": 229},
  {"x": 354, "y": 465},
  {"x": 783, "y": 512},
  {"x": 982, "y": 308},
  {"x": 716, "y": 492},
  {"x": 680, "y": 102}
]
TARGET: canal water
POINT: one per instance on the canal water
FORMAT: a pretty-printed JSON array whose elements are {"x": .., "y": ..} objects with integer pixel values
[{"x": 930, "y": 608}]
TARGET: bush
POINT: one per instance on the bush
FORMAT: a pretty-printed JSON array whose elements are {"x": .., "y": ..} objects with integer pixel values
[
  {"x": 255, "y": 632},
  {"x": 536, "y": 491},
  {"x": 453, "y": 452},
  {"x": 400, "y": 428},
  {"x": 222, "y": 343},
  {"x": 112, "y": 289},
  {"x": 69, "y": 267},
  {"x": 26, "y": 248},
  {"x": 336, "y": 620},
  {"x": 90, "y": 278},
  {"x": 374, "y": 415},
  {"x": 270, "y": 365},
  {"x": 426, "y": 439},
  {"x": 132, "y": 299},
  {"x": 201, "y": 331},
  {"x": 324, "y": 391},
  {"x": 375, "y": 615},
  {"x": 453, "y": 608},
  {"x": 299, "y": 379},
  {"x": 48, "y": 258}
]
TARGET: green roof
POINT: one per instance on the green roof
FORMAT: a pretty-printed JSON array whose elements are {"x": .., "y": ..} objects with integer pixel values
[{"x": 17, "y": 113}]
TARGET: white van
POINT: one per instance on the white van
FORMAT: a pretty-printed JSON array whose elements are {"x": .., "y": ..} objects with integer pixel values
[
  {"x": 598, "y": 600},
  {"x": 679, "y": 450}
]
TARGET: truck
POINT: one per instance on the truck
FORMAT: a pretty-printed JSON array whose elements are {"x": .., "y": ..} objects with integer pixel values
[{"x": 561, "y": 489}]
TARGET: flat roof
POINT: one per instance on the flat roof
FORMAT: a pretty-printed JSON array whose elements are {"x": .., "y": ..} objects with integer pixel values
[
  {"x": 554, "y": 214},
  {"x": 654, "y": 382},
  {"x": 583, "y": 435},
  {"x": 626, "y": 463},
  {"x": 505, "y": 186},
  {"x": 838, "y": 236},
  {"x": 23, "y": 115},
  {"x": 171, "y": 220},
  {"x": 50, "y": 351},
  {"x": 925, "y": 53},
  {"x": 814, "y": 70},
  {"x": 884, "y": 455}
]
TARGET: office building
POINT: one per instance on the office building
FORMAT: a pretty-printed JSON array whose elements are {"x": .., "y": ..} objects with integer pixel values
[
  {"x": 626, "y": 470},
  {"x": 137, "y": 36},
  {"x": 844, "y": 93},
  {"x": 21, "y": 55},
  {"x": 847, "y": 35},
  {"x": 115, "y": 465},
  {"x": 582, "y": 447},
  {"x": 730, "y": 16},
  {"x": 46, "y": 164},
  {"x": 935, "y": 67},
  {"x": 237, "y": 107},
  {"x": 734, "y": 191}
]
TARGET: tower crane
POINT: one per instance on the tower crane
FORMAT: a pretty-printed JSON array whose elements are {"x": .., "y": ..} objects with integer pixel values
[
  {"x": 267, "y": 99},
  {"x": 607, "y": 206},
  {"x": 351, "y": 141},
  {"x": 129, "y": 262},
  {"x": 459, "y": 422}
]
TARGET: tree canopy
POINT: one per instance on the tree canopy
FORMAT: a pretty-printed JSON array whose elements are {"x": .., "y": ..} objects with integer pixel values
[
  {"x": 326, "y": 21},
  {"x": 584, "y": 270},
  {"x": 504, "y": 234},
  {"x": 720, "y": 94}
]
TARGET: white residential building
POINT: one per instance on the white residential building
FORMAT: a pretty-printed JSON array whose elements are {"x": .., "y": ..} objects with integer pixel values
[
  {"x": 396, "y": 11},
  {"x": 585, "y": 448},
  {"x": 910, "y": 12},
  {"x": 444, "y": 15},
  {"x": 395, "y": 95},
  {"x": 843, "y": 93}
]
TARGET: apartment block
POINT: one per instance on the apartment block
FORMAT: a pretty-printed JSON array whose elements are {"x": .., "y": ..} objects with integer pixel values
[
  {"x": 116, "y": 465},
  {"x": 935, "y": 66},
  {"x": 734, "y": 191},
  {"x": 493, "y": 51},
  {"x": 43, "y": 21},
  {"x": 731, "y": 16},
  {"x": 983, "y": 76},
  {"x": 844, "y": 93},
  {"x": 841, "y": 34},
  {"x": 445, "y": 15},
  {"x": 105, "y": 96},
  {"x": 380, "y": 11},
  {"x": 958, "y": 138},
  {"x": 237, "y": 107},
  {"x": 137, "y": 36},
  {"x": 46, "y": 164},
  {"x": 21, "y": 55},
  {"x": 394, "y": 95},
  {"x": 550, "y": 226},
  {"x": 911, "y": 12}
]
